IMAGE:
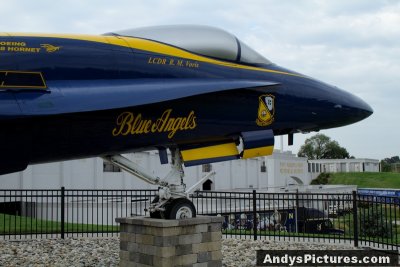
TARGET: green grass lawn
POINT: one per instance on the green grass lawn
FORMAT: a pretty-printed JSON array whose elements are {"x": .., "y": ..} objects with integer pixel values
[
  {"x": 367, "y": 179},
  {"x": 285, "y": 234},
  {"x": 10, "y": 224}
]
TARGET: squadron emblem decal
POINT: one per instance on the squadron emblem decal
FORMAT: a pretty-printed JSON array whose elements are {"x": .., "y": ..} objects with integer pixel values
[
  {"x": 50, "y": 48},
  {"x": 266, "y": 110}
]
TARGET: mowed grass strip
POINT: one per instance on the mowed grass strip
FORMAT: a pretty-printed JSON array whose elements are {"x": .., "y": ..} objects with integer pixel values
[
  {"x": 367, "y": 179},
  {"x": 11, "y": 224}
]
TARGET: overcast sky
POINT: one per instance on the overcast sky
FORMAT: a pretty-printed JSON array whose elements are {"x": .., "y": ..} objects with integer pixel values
[{"x": 353, "y": 44}]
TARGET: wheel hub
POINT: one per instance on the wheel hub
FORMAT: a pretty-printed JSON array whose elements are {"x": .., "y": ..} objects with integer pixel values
[{"x": 184, "y": 213}]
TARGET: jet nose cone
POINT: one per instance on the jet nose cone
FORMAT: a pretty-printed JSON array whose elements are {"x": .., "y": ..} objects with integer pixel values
[
  {"x": 366, "y": 109},
  {"x": 359, "y": 108},
  {"x": 353, "y": 108}
]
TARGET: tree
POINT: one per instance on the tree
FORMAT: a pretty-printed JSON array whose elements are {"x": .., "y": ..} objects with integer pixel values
[
  {"x": 387, "y": 163},
  {"x": 385, "y": 166},
  {"x": 392, "y": 160},
  {"x": 321, "y": 146}
]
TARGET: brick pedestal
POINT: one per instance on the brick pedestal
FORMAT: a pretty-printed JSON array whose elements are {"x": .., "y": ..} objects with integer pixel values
[{"x": 166, "y": 243}]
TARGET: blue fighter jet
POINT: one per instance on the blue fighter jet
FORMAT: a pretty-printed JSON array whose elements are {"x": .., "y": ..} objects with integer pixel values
[{"x": 197, "y": 91}]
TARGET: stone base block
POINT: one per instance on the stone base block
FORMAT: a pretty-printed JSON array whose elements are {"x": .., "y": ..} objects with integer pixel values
[{"x": 165, "y": 243}]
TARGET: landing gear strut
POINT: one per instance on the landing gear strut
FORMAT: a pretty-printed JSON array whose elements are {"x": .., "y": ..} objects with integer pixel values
[{"x": 172, "y": 200}]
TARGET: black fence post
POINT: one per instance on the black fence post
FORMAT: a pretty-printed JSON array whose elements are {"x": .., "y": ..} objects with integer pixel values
[
  {"x": 355, "y": 218},
  {"x": 296, "y": 208},
  {"x": 62, "y": 212},
  {"x": 255, "y": 214}
]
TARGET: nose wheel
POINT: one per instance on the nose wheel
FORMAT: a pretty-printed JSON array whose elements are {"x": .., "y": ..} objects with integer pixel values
[{"x": 180, "y": 208}]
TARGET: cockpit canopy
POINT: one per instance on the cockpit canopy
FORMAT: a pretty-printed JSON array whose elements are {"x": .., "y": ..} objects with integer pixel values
[{"x": 203, "y": 40}]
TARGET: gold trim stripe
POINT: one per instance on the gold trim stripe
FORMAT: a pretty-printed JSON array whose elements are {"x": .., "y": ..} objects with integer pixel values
[{"x": 150, "y": 46}]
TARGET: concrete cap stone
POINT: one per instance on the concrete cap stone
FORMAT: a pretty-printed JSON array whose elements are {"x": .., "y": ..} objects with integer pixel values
[{"x": 147, "y": 221}]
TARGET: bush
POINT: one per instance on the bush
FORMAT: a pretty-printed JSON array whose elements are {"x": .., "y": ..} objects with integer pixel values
[
  {"x": 323, "y": 178},
  {"x": 364, "y": 204},
  {"x": 373, "y": 223}
]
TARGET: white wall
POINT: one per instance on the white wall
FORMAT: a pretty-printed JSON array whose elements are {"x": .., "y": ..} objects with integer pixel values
[
  {"x": 345, "y": 165},
  {"x": 88, "y": 174},
  {"x": 281, "y": 166}
]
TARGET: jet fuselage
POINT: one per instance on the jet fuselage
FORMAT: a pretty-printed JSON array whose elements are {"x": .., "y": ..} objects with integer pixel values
[{"x": 71, "y": 96}]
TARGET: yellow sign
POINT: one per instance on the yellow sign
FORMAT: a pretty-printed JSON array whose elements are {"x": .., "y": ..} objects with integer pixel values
[
  {"x": 23, "y": 47},
  {"x": 266, "y": 110},
  {"x": 131, "y": 124}
]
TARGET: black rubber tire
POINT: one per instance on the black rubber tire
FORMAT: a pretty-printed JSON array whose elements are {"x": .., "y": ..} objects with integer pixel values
[
  {"x": 177, "y": 206},
  {"x": 156, "y": 214}
]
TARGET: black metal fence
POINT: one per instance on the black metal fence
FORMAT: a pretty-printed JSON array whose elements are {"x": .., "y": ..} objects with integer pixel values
[
  {"x": 282, "y": 216},
  {"x": 355, "y": 219},
  {"x": 66, "y": 213}
]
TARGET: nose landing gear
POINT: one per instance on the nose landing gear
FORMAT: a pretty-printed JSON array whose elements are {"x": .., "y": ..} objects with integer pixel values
[{"x": 172, "y": 200}]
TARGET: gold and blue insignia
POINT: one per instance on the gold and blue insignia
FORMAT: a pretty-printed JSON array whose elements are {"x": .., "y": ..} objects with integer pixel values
[
  {"x": 50, "y": 48},
  {"x": 266, "y": 110}
]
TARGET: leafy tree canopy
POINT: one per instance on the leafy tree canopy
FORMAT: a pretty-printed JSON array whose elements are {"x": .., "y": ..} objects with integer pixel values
[
  {"x": 321, "y": 146},
  {"x": 395, "y": 159}
]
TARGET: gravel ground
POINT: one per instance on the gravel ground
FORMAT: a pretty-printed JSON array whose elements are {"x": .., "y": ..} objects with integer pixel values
[{"x": 105, "y": 251}]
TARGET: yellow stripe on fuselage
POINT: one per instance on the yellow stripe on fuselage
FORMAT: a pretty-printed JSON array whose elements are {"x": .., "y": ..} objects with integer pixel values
[
  {"x": 257, "y": 152},
  {"x": 210, "y": 152},
  {"x": 149, "y": 46}
]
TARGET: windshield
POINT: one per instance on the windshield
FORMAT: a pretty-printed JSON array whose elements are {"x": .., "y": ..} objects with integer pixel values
[
  {"x": 203, "y": 40},
  {"x": 248, "y": 55}
]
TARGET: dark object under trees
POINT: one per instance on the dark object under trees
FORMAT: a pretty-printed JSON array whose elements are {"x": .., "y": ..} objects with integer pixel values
[{"x": 322, "y": 178}]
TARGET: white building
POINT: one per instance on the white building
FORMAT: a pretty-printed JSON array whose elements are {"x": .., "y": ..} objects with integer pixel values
[
  {"x": 280, "y": 172},
  {"x": 316, "y": 166},
  {"x": 272, "y": 173},
  {"x": 264, "y": 173}
]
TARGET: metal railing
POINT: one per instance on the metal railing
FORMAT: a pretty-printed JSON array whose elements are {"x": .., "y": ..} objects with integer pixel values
[
  {"x": 62, "y": 213},
  {"x": 359, "y": 220},
  {"x": 352, "y": 218}
]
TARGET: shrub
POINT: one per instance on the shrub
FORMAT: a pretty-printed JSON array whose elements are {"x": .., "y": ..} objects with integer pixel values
[
  {"x": 373, "y": 223},
  {"x": 323, "y": 178}
]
